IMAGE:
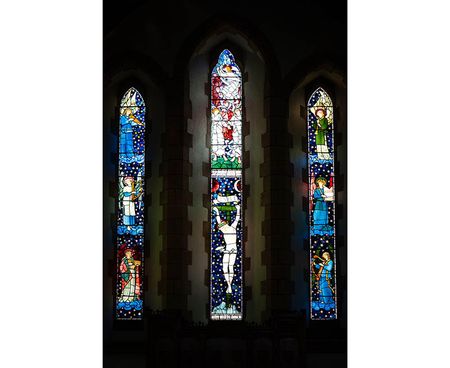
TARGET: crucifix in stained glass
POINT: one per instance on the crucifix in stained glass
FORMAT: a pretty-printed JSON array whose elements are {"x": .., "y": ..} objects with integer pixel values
[{"x": 226, "y": 190}]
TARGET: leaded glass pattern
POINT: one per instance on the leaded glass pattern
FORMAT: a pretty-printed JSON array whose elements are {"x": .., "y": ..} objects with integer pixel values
[
  {"x": 321, "y": 206},
  {"x": 226, "y": 190},
  {"x": 130, "y": 215}
]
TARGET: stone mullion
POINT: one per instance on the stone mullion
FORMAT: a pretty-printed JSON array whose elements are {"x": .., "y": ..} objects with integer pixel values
[
  {"x": 175, "y": 199},
  {"x": 277, "y": 198}
]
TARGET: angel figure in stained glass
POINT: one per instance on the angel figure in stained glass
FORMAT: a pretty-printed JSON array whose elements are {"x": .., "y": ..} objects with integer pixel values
[
  {"x": 321, "y": 126},
  {"x": 129, "y": 193},
  {"x": 127, "y": 121},
  {"x": 229, "y": 250},
  {"x": 130, "y": 281},
  {"x": 323, "y": 274},
  {"x": 321, "y": 195}
]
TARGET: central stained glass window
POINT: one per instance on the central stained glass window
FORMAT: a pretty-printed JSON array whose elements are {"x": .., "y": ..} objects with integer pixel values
[{"x": 226, "y": 190}]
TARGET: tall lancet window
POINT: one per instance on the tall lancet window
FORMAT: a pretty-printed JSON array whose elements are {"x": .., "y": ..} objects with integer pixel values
[
  {"x": 226, "y": 190},
  {"x": 130, "y": 214},
  {"x": 321, "y": 206}
]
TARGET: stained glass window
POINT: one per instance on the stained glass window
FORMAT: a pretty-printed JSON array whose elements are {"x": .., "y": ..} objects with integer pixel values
[
  {"x": 321, "y": 206},
  {"x": 226, "y": 190},
  {"x": 130, "y": 216}
]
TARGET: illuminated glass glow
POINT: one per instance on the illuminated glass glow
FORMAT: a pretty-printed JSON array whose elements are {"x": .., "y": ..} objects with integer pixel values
[
  {"x": 226, "y": 190},
  {"x": 321, "y": 206},
  {"x": 130, "y": 217}
]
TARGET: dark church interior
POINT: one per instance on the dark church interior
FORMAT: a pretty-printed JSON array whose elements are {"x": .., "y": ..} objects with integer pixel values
[{"x": 166, "y": 50}]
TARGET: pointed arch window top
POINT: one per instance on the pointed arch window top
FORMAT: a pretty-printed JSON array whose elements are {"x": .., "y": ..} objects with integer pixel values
[
  {"x": 226, "y": 66},
  {"x": 133, "y": 100},
  {"x": 320, "y": 98},
  {"x": 226, "y": 275},
  {"x": 130, "y": 214},
  {"x": 323, "y": 298}
]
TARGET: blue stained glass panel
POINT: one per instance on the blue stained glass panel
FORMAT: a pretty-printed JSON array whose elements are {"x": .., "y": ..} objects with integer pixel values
[
  {"x": 130, "y": 216},
  {"x": 323, "y": 299}
]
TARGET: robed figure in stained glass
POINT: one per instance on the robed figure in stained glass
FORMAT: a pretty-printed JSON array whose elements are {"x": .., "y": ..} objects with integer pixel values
[
  {"x": 130, "y": 281},
  {"x": 130, "y": 192},
  {"x": 321, "y": 196},
  {"x": 321, "y": 127},
  {"x": 130, "y": 200},
  {"x": 127, "y": 121},
  {"x": 320, "y": 131},
  {"x": 323, "y": 273}
]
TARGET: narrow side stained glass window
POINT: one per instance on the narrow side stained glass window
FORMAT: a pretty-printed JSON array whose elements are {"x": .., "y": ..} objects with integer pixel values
[
  {"x": 130, "y": 215},
  {"x": 226, "y": 190},
  {"x": 321, "y": 206}
]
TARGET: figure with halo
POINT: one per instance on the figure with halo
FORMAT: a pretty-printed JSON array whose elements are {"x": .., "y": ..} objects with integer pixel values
[
  {"x": 321, "y": 126},
  {"x": 127, "y": 121},
  {"x": 322, "y": 268},
  {"x": 129, "y": 275},
  {"x": 321, "y": 195}
]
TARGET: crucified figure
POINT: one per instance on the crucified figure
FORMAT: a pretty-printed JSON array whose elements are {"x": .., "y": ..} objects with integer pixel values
[{"x": 230, "y": 249}]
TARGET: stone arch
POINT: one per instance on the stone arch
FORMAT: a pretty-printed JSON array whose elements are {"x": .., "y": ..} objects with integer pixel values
[{"x": 254, "y": 72}]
